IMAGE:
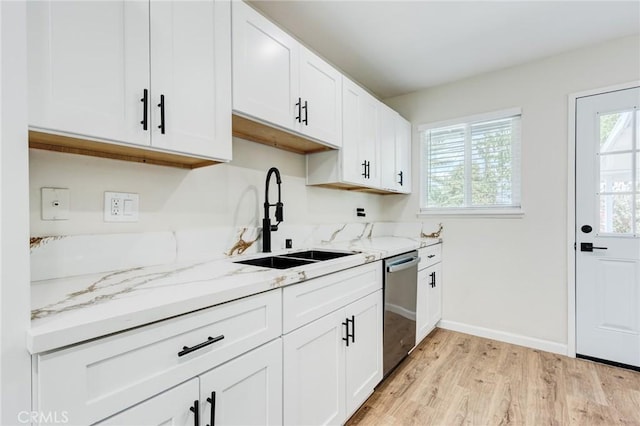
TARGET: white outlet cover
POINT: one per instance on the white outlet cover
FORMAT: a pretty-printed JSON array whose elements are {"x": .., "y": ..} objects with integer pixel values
[
  {"x": 121, "y": 207},
  {"x": 55, "y": 203}
]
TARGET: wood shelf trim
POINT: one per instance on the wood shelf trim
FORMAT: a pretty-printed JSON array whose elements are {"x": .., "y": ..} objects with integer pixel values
[
  {"x": 354, "y": 188},
  {"x": 73, "y": 145},
  {"x": 255, "y": 131}
]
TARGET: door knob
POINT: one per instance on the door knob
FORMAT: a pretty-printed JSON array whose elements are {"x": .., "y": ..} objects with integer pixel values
[
  {"x": 590, "y": 247},
  {"x": 586, "y": 229}
]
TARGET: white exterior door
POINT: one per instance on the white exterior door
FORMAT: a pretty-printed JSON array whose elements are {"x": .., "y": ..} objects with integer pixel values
[
  {"x": 190, "y": 65},
  {"x": 172, "y": 407},
  {"x": 246, "y": 390},
  {"x": 321, "y": 99},
  {"x": 89, "y": 68},
  {"x": 314, "y": 380},
  {"x": 364, "y": 353},
  {"x": 265, "y": 61},
  {"x": 608, "y": 226}
]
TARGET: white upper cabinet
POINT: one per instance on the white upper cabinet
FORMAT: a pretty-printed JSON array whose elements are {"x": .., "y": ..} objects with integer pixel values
[
  {"x": 155, "y": 74},
  {"x": 88, "y": 68},
  {"x": 360, "y": 136},
  {"x": 279, "y": 82},
  {"x": 320, "y": 99},
  {"x": 265, "y": 58},
  {"x": 395, "y": 150},
  {"x": 190, "y": 75}
]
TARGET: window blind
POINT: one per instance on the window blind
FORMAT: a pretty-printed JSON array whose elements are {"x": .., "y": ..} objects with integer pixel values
[{"x": 472, "y": 165}]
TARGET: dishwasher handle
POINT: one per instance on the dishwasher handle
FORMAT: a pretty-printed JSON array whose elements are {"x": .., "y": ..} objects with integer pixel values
[{"x": 402, "y": 264}]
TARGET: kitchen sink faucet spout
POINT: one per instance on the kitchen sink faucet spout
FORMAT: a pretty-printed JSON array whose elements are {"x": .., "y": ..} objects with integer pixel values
[{"x": 267, "y": 227}]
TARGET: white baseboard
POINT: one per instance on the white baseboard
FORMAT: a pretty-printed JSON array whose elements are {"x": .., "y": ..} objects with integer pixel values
[{"x": 503, "y": 336}]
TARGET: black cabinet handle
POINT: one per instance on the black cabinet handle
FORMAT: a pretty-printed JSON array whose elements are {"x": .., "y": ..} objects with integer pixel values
[
  {"x": 306, "y": 114},
  {"x": 353, "y": 328},
  {"x": 346, "y": 327},
  {"x": 299, "y": 107},
  {"x": 364, "y": 165},
  {"x": 161, "y": 106},
  {"x": 368, "y": 169},
  {"x": 433, "y": 279},
  {"x": 431, "y": 256},
  {"x": 210, "y": 340},
  {"x": 401, "y": 180},
  {"x": 145, "y": 110},
  {"x": 196, "y": 412},
  {"x": 212, "y": 401}
]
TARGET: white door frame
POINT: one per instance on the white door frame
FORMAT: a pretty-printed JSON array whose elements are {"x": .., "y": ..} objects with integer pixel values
[{"x": 571, "y": 208}]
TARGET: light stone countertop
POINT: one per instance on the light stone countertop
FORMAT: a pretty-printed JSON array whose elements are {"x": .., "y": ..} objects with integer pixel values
[{"x": 70, "y": 310}]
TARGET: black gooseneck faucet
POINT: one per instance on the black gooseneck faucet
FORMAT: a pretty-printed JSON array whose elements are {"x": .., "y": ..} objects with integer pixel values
[{"x": 267, "y": 227}]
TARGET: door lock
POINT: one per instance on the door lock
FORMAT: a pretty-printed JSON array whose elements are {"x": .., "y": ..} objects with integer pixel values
[{"x": 589, "y": 247}]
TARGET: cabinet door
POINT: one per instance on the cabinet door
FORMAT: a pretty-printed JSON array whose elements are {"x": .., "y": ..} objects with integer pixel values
[
  {"x": 388, "y": 149},
  {"x": 360, "y": 148},
  {"x": 435, "y": 296},
  {"x": 246, "y": 390},
  {"x": 314, "y": 381},
  {"x": 88, "y": 68},
  {"x": 429, "y": 303},
  {"x": 321, "y": 99},
  {"x": 191, "y": 71},
  {"x": 403, "y": 155},
  {"x": 265, "y": 75},
  {"x": 364, "y": 353},
  {"x": 172, "y": 407}
]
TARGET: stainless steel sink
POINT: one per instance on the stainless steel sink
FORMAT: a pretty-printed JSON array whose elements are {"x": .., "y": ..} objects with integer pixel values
[
  {"x": 276, "y": 262},
  {"x": 318, "y": 254},
  {"x": 292, "y": 260}
]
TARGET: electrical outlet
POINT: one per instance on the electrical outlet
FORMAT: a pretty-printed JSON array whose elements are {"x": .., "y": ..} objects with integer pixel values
[{"x": 121, "y": 207}]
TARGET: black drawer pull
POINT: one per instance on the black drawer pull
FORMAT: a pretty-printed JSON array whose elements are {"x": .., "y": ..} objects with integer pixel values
[
  {"x": 186, "y": 349},
  {"x": 195, "y": 409},
  {"x": 212, "y": 401},
  {"x": 431, "y": 256}
]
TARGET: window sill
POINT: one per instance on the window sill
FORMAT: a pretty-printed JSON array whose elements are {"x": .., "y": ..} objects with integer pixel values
[{"x": 511, "y": 213}]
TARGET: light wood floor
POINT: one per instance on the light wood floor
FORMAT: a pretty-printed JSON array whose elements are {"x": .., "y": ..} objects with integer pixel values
[{"x": 453, "y": 379}]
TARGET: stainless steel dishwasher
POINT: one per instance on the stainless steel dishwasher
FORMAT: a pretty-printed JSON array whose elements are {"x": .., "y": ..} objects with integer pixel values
[{"x": 400, "y": 288}]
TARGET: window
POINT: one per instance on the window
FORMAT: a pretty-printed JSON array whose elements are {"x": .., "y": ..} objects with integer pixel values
[{"x": 471, "y": 165}]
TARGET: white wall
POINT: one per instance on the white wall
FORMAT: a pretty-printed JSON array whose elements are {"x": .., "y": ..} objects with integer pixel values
[
  {"x": 15, "y": 367},
  {"x": 509, "y": 275},
  {"x": 172, "y": 199}
]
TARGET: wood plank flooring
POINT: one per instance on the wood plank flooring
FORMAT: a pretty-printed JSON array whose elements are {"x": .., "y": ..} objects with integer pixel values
[{"x": 457, "y": 379}]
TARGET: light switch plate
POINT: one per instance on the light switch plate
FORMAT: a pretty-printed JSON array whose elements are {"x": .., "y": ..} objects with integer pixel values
[
  {"x": 121, "y": 207},
  {"x": 55, "y": 203}
]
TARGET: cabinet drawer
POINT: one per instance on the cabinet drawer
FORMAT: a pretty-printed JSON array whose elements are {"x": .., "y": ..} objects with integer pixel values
[
  {"x": 94, "y": 380},
  {"x": 430, "y": 256},
  {"x": 303, "y": 303}
]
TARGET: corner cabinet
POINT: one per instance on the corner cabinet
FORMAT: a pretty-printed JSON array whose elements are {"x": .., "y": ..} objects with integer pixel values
[
  {"x": 429, "y": 292},
  {"x": 152, "y": 74},
  {"x": 278, "y": 82}
]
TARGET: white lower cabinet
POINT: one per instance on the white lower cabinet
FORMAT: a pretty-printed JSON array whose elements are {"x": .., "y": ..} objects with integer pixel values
[
  {"x": 172, "y": 407},
  {"x": 245, "y": 391},
  {"x": 333, "y": 364},
  {"x": 429, "y": 292}
]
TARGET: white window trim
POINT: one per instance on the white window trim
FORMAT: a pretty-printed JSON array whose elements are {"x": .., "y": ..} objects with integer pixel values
[{"x": 475, "y": 212}]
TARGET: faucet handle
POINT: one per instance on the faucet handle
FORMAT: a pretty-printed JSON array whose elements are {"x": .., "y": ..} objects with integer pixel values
[{"x": 279, "y": 213}]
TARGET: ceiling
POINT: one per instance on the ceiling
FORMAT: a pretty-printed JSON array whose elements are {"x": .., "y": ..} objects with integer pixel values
[{"x": 397, "y": 47}]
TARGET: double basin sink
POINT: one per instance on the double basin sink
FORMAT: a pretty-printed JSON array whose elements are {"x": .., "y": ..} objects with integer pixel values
[{"x": 291, "y": 260}]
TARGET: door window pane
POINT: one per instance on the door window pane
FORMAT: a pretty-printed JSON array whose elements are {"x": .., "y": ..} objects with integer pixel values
[
  {"x": 616, "y": 214},
  {"x": 616, "y": 132},
  {"x": 616, "y": 173}
]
